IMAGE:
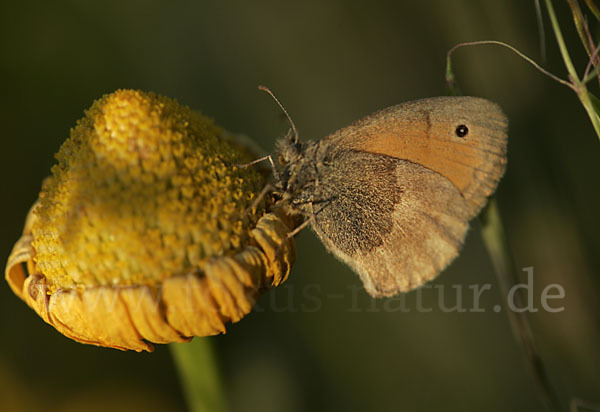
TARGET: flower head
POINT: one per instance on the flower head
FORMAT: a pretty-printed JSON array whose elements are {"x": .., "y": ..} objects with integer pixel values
[{"x": 146, "y": 229}]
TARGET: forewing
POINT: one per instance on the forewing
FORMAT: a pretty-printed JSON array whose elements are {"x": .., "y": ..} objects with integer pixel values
[{"x": 424, "y": 132}]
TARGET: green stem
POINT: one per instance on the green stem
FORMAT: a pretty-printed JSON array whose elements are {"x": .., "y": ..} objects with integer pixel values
[
  {"x": 586, "y": 101},
  {"x": 199, "y": 375},
  {"x": 502, "y": 260},
  {"x": 581, "y": 26},
  {"x": 594, "y": 9},
  {"x": 578, "y": 85},
  {"x": 561, "y": 43}
]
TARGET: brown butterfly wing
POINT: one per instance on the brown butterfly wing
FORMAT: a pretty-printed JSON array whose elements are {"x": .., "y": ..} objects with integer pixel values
[
  {"x": 424, "y": 132},
  {"x": 401, "y": 198},
  {"x": 397, "y": 225}
]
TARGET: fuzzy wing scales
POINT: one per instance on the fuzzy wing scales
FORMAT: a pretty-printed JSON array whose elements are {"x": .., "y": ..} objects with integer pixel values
[{"x": 397, "y": 226}]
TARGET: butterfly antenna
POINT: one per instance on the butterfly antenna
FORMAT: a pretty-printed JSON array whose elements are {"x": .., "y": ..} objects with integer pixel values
[{"x": 294, "y": 130}]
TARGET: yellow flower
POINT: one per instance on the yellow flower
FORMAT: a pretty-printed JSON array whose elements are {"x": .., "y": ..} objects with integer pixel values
[{"x": 145, "y": 230}]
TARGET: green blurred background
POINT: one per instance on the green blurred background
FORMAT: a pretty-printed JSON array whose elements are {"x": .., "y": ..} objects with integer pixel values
[{"x": 319, "y": 342}]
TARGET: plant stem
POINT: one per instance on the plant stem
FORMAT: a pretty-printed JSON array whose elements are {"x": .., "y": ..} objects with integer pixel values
[
  {"x": 561, "y": 42},
  {"x": 450, "y": 75},
  {"x": 579, "y": 86},
  {"x": 503, "y": 262},
  {"x": 593, "y": 8},
  {"x": 198, "y": 372}
]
